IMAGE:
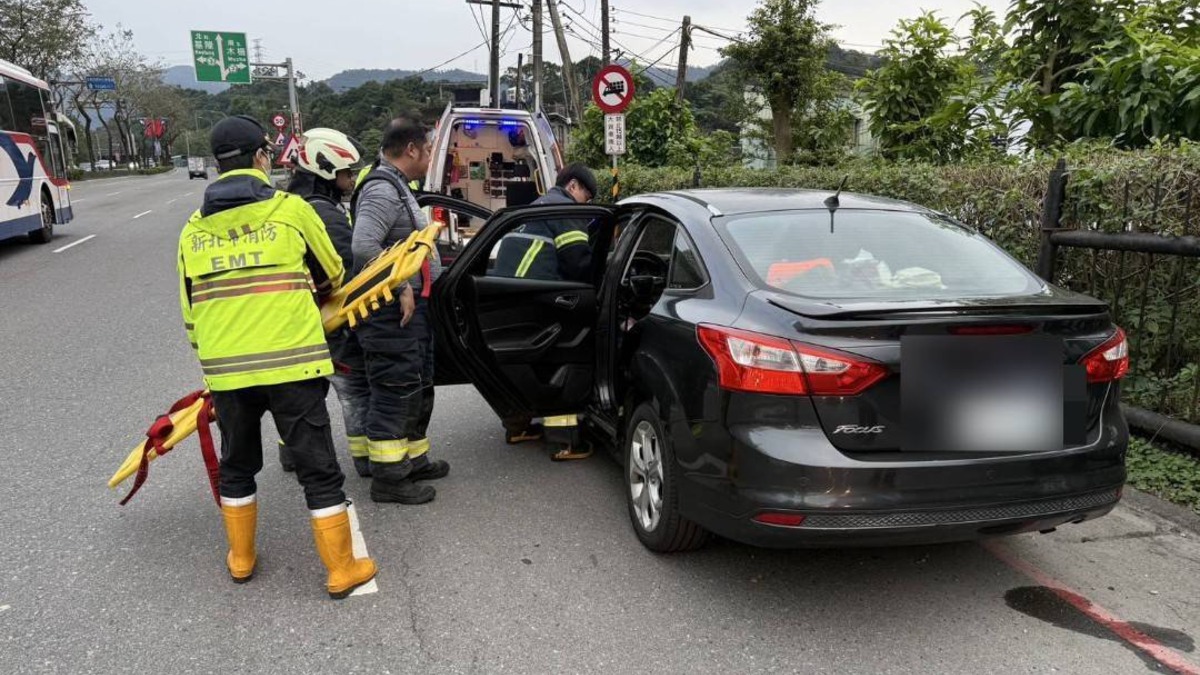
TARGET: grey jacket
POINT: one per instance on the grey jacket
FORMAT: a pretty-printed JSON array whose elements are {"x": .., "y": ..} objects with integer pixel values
[{"x": 382, "y": 217}]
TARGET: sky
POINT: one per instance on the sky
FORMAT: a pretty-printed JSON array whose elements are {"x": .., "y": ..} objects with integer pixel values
[{"x": 324, "y": 38}]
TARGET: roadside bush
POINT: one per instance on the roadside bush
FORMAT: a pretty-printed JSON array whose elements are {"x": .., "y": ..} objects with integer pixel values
[{"x": 78, "y": 175}]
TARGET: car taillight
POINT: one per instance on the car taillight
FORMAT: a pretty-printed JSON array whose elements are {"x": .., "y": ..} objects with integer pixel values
[
  {"x": 1109, "y": 361},
  {"x": 765, "y": 364}
]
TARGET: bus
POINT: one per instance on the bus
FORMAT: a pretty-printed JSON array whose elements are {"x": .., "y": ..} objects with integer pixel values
[{"x": 34, "y": 191}]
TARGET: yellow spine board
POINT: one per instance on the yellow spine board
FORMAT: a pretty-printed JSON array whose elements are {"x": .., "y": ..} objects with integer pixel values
[{"x": 401, "y": 262}]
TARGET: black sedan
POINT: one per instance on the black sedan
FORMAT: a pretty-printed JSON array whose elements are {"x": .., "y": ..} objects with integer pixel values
[{"x": 741, "y": 352}]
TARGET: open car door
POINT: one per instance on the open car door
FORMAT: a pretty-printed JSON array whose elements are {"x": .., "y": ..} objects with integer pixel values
[{"x": 527, "y": 344}]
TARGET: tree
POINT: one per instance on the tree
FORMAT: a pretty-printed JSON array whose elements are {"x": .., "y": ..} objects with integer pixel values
[
  {"x": 937, "y": 97},
  {"x": 719, "y": 100},
  {"x": 1051, "y": 42},
  {"x": 1152, "y": 74},
  {"x": 912, "y": 86},
  {"x": 659, "y": 131},
  {"x": 42, "y": 35},
  {"x": 785, "y": 56}
]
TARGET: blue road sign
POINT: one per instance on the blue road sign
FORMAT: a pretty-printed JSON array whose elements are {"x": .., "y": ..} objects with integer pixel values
[{"x": 101, "y": 83}]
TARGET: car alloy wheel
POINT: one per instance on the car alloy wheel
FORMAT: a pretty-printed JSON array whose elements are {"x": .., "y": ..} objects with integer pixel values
[{"x": 646, "y": 476}]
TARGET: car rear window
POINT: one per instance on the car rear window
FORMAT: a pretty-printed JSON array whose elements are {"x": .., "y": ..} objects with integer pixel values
[{"x": 873, "y": 254}]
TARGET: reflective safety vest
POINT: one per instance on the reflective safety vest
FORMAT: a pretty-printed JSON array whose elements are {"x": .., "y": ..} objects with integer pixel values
[{"x": 247, "y": 276}]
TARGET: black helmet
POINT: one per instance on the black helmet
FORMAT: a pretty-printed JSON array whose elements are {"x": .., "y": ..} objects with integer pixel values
[
  {"x": 237, "y": 135},
  {"x": 580, "y": 172}
]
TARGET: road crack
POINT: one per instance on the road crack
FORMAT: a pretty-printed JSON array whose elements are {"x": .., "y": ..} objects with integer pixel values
[{"x": 411, "y": 605}]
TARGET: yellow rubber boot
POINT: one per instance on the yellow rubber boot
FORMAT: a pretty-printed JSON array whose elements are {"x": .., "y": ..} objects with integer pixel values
[
  {"x": 332, "y": 535},
  {"x": 241, "y": 520}
]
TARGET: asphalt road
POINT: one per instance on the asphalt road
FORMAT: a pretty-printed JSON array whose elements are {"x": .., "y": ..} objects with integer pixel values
[{"x": 520, "y": 565}]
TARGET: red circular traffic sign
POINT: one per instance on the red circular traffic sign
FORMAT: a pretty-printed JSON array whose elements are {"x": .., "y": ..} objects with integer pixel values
[
  {"x": 612, "y": 90},
  {"x": 279, "y": 121}
]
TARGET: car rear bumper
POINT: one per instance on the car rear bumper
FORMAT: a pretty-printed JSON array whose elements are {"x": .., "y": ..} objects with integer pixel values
[
  {"x": 914, "y": 527},
  {"x": 888, "y": 498}
]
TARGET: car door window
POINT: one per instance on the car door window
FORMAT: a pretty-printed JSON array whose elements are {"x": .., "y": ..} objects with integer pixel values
[{"x": 687, "y": 271}]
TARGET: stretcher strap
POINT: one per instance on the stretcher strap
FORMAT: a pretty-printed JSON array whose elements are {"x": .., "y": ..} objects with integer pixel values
[
  {"x": 161, "y": 429},
  {"x": 426, "y": 278},
  {"x": 211, "y": 465}
]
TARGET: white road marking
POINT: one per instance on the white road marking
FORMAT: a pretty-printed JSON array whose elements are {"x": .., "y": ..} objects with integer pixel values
[
  {"x": 172, "y": 201},
  {"x": 76, "y": 201},
  {"x": 142, "y": 214},
  {"x": 74, "y": 243},
  {"x": 360, "y": 551},
  {"x": 189, "y": 194},
  {"x": 5, "y": 608},
  {"x": 113, "y": 194}
]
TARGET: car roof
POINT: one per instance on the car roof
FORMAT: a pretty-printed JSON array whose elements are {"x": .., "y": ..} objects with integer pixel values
[
  {"x": 736, "y": 201},
  {"x": 490, "y": 113}
]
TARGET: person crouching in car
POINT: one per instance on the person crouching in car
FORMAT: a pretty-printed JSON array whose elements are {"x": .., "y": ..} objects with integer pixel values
[{"x": 552, "y": 250}]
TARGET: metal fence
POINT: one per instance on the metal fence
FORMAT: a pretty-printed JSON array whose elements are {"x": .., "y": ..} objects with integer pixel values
[{"x": 1134, "y": 243}]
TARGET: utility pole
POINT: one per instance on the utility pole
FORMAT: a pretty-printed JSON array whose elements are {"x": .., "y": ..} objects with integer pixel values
[
  {"x": 568, "y": 65},
  {"x": 520, "y": 66},
  {"x": 537, "y": 55},
  {"x": 604, "y": 29},
  {"x": 293, "y": 101},
  {"x": 685, "y": 42},
  {"x": 494, "y": 71}
]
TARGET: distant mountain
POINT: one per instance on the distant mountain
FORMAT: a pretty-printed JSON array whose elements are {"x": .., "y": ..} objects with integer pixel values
[
  {"x": 185, "y": 76},
  {"x": 349, "y": 79}
]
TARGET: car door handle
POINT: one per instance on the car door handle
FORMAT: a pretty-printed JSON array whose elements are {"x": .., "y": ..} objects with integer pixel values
[{"x": 568, "y": 301}]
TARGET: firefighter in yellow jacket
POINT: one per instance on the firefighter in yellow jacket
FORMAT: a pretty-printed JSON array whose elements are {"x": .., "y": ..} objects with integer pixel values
[{"x": 250, "y": 261}]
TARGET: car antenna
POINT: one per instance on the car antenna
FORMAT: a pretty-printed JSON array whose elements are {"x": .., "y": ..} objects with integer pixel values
[{"x": 832, "y": 202}]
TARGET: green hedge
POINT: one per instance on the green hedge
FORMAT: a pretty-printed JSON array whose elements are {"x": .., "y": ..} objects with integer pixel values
[
  {"x": 77, "y": 175},
  {"x": 1155, "y": 190}
]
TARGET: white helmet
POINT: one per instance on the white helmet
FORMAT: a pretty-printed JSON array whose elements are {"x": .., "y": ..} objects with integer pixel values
[{"x": 324, "y": 152}]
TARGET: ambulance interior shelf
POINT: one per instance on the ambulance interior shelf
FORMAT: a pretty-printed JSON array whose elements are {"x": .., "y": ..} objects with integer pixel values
[{"x": 491, "y": 165}]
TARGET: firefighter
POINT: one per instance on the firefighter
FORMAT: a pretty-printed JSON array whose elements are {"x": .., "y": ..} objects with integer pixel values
[
  {"x": 324, "y": 178},
  {"x": 552, "y": 250},
  {"x": 249, "y": 263},
  {"x": 398, "y": 340}
]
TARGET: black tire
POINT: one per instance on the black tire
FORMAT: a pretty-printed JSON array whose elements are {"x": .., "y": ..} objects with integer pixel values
[
  {"x": 45, "y": 233},
  {"x": 670, "y": 532}
]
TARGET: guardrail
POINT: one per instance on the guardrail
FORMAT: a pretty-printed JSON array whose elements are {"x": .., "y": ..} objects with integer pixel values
[{"x": 1182, "y": 248}]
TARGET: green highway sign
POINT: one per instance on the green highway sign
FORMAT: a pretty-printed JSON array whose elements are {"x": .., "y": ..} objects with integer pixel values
[{"x": 220, "y": 57}]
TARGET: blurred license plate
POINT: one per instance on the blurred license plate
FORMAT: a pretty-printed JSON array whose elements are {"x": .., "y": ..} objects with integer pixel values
[{"x": 982, "y": 393}]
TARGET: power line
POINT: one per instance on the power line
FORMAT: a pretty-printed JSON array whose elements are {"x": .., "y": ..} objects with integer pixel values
[
  {"x": 636, "y": 35},
  {"x": 639, "y": 25},
  {"x": 623, "y": 47},
  {"x": 475, "y": 17},
  {"x": 450, "y": 60},
  {"x": 655, "y": 62},
  {"x": 662, "y": 18}
]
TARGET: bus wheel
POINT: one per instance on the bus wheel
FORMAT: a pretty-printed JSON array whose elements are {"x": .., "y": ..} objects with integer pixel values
[{"x": 44, "y": 234}]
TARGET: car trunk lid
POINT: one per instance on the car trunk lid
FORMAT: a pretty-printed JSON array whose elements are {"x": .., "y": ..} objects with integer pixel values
[{"x": 875, "y": 419}]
